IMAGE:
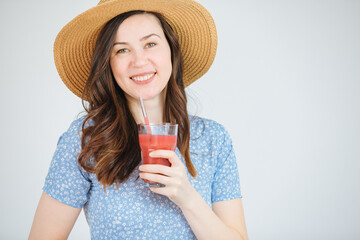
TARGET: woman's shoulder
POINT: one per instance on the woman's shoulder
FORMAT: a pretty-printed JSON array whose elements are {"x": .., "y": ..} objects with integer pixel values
[
  {"x": 205, "y": 127},
  {"x": 76, "y": 126}
]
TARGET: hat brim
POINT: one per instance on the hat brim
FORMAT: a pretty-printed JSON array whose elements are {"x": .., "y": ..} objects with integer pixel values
[{"x": 191, "y": 22}]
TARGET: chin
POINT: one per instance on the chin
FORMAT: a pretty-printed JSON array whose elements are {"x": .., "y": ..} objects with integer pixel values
[
  {"x": 155, "y": 94},
  {"x": 147, "y": 97}
]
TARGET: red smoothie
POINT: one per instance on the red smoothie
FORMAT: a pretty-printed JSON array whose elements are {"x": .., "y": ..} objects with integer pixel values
[
  {"x": 156, "y": 136},
  {"x": 149, "y": 143}
]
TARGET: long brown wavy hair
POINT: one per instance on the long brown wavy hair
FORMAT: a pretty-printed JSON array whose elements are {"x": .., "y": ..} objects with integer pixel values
[{"x": 110, "y": 144}]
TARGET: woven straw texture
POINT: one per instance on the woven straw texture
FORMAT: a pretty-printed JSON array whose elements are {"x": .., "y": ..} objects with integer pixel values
[{"x": 192, "y": 23}]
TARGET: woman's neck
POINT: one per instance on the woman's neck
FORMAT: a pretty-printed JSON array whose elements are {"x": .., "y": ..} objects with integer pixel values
[{"x": 154, "y": 109}]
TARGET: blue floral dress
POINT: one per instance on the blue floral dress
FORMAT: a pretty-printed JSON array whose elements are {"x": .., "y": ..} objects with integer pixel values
[{"x": 133, "y": 211}]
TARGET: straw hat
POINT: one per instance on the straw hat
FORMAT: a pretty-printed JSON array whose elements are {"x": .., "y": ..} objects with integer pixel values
[{"x": 191, "y": 22}]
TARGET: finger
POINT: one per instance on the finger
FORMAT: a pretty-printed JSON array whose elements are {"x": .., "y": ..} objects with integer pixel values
[
  {"x": 171, "y": 155},
  {"x": 156, "y": 168},
  {"x": 153, "y": 177}
]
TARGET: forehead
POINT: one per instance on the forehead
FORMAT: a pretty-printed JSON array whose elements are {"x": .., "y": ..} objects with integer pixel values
[{"x": 139, "y": 25}]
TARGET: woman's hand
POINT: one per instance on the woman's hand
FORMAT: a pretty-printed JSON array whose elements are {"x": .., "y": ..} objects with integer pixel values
[
  {"x": 228, "y": 221},
  {"x": 177, "y": 185}
]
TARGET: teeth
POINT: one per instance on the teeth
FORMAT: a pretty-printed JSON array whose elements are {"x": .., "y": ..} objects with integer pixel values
[{"x": 143, "y": 78}]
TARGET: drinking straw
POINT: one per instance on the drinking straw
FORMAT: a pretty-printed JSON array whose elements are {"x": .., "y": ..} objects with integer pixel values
[{"x": 144, "y": 114}]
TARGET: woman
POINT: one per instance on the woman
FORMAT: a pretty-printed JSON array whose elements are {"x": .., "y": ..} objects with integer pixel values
[{"x": 151, "y": 49}]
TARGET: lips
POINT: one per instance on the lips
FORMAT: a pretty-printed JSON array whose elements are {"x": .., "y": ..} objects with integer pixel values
[{"x": 143, "y": 78}]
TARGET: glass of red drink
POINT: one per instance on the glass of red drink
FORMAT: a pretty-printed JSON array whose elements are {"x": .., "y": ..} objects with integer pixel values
[{"x": 156, "y": 136}]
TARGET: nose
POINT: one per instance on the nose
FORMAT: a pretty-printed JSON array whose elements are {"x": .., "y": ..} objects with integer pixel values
[{"x": 139, "y": 58}]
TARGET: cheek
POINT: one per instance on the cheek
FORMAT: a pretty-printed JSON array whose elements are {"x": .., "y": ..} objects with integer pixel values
[
  {"x": 166, "y": 65},
  {"x": 119, "y": 75},
  {"x": 118, "y": 70}
]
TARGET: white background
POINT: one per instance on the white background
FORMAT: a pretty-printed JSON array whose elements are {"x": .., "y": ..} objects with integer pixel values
[{"x": 285, "y": 83}]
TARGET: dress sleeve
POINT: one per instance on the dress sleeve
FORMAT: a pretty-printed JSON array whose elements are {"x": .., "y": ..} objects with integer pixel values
[
  {"x": 226, "y": 184},
  {"x": 66, "y": 181}
]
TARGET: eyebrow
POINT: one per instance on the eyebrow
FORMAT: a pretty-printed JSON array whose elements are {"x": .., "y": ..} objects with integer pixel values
[{"x": 141, "y": 39}]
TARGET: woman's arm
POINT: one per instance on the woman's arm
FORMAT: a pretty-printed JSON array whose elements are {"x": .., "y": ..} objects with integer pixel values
[
  {"x": 231, "y": 212},
  {"x": 53, "y": 219},
  {"x": 224, "y": 221}
]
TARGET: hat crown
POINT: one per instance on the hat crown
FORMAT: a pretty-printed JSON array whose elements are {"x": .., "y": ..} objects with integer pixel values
[{"x": 103, "y": 1}]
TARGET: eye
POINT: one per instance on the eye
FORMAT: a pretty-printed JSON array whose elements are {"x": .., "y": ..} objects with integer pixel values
[
  {"x": 149, "y": 45},
  {"x": 122, "y": 50}
]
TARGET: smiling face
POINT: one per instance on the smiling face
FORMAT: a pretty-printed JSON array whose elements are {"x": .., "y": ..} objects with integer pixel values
[{"x": 141, "y": 57}]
